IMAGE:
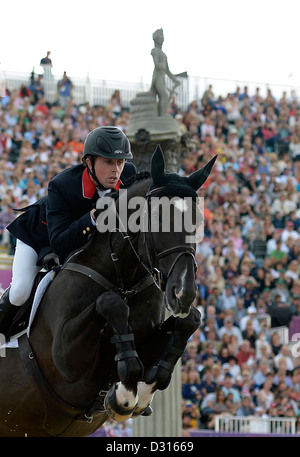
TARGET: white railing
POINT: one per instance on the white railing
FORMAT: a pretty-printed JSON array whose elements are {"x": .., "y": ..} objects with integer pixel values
[
  {"x": 98, "y": 92},
  {"x": 253, "y": 424},
  {"x": 95, "y": 92},
  {"x": 283, "y": 333}
]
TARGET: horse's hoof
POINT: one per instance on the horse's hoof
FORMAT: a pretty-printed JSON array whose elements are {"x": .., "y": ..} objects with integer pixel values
[
  {"x": 115, "y": 411},
  {"x": 144, "y": 412},
  {"x": 148, "y": 411}
]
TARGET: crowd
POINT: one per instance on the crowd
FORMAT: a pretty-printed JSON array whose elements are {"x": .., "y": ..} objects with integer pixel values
[
  {"x": 249, "y": 257},
  {"x": 237, "y": 364}
]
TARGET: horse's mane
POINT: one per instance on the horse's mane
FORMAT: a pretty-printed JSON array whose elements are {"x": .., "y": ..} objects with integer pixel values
[{"x": 134, "y": 178}]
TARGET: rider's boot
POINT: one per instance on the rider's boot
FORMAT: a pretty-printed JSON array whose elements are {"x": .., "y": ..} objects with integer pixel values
[{"x": 7, "y": 313}]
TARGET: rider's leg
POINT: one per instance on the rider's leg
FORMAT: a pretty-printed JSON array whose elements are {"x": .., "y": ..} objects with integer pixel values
[{"x": 24, "y": 271}]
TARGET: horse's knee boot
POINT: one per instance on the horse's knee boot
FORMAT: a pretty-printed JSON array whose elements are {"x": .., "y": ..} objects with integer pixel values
[
  {"x": 189, "y": 324},
  {"x": 130, "y": 366}
]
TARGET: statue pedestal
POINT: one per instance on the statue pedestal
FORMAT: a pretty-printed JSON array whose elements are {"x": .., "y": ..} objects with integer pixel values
[
  {"x": 156, "y": 128},
  {"x": 146, "y": 130}
]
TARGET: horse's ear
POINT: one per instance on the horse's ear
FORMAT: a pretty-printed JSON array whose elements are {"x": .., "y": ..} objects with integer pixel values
[
  {"x": 198, "y": 178},
  {"x": 157, "y": 164}
]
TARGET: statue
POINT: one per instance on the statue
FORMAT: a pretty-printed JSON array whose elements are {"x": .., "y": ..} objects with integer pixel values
[
  {"x": 150, "y": 123},
  {"x": 161, "y": 69}
]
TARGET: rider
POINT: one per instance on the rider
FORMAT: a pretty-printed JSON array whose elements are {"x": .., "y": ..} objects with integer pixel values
[{"x": 63, "y": 220}]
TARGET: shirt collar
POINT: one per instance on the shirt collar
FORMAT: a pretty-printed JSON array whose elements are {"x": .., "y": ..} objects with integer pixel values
[{"x": 89, "y": 188}]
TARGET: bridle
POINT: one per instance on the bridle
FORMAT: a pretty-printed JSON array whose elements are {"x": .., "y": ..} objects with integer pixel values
[
  {"x": 154, "y": 274},
  {"x": 153, "y": 257}
]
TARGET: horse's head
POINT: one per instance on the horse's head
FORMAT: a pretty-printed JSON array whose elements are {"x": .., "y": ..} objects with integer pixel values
[
  {"x": 163, "y": 229},
  {"x": 169, "y": 238}
]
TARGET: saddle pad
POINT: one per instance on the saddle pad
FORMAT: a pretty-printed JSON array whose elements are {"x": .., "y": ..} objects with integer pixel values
[
  {"x": 41, "y": 289},
  {"x": 12, "y": 343}
]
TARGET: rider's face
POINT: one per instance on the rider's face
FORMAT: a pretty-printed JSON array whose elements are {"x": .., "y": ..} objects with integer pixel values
[{"x": 108, "y": 171}]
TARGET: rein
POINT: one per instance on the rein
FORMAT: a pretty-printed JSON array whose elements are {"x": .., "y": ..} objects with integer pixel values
[{"x": 154, "y": 274}]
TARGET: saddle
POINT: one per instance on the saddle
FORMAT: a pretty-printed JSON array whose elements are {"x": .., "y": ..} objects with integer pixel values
[{"x": 21, "y": 319}]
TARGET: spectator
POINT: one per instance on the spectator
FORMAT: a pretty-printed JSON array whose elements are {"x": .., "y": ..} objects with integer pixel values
[
  {"x": 281, "y": 314},
  {"x": 265, "y": 395},
  {"x": 207, "y": 384},
  {"x": 250, "y": 334},
  {"x": 190, "y": 416},
  {"x": 46, "y": 63},
  {"x": 234, "y": 368},
  {"x": 250, "y": 317},
  {"x": 282, "y": 375},
  {"x": 217, "y": 406},
  {"x": 217, "y": 372},
  {"x": 275, "y": 343},
  {"x": 7, "y": 215},
  {"x": 289, "y": 232},
  {"x": 245, "y": 353},
  {"x": 37, "y": 89},
  {"x": 263, "y": 348},
  {"x": 209, "y": 350},
  {"x": 229, "y": 388},
  {"x": 247, "y": 407},
  {"x": 230, "y": 329},
  {"x": 263, "y": 369},
  {"x": 191, "y": 388},
  {"x": 115, "y": 104},
  {"x": 65, "y": 88},
  {"x": 191, "y": 352},
  {"x": 284, "y": 354},
  {"x": 233, "y": 345},
  {"x": 228, "y": 299}
]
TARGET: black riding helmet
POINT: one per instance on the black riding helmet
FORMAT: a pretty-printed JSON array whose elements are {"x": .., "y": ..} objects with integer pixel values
[{"x": 108, "y": 142}]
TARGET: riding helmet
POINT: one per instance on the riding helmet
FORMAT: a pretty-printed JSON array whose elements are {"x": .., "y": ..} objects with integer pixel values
[{"x": 109, "y": 142}]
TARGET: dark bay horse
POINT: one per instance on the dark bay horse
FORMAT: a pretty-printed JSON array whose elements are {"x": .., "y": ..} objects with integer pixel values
[{"x": 99, "y": 344}]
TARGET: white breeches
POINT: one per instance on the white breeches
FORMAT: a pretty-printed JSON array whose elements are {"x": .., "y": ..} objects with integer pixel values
[{"x": 24, "y": 271}]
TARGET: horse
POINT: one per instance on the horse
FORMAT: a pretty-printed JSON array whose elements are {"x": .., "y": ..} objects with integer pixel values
[{"x": 99, "y": 345}]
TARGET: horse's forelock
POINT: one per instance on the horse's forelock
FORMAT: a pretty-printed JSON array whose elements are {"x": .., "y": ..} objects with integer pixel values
[
  {"x": 173, "y": 184},
  {"x": 177, "y": 189}
]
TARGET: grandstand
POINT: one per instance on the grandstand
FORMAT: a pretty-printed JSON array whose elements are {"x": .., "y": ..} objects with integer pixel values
[{"x": 254, "y": 187}]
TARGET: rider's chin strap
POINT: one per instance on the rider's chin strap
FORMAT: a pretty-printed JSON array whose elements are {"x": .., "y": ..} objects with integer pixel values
[{"x": 92, "y": 174}]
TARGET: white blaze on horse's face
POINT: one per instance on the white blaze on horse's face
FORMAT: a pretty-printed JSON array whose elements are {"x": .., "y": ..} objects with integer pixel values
[{"x": 181, "y": 205}]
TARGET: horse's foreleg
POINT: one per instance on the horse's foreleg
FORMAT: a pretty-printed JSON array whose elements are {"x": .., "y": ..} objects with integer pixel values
[
  {"x": 122, "y": 398},
  {"x": 175, "y": 332},
  {"x": 161, "y": 372}
]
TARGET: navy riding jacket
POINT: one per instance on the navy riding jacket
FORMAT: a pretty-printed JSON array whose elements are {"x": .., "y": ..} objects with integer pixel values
[{"x": 61, "y": 222}]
